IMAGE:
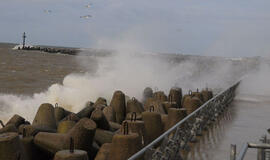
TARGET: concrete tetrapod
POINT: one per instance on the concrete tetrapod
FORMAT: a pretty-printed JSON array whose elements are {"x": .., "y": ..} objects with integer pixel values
[
  {"x": 109, "y": 113},
  {"x": 8, "y": 128},
  {"x": 101, "y": 101},
  {"x": 133, "y": 105},
  {"x": 83, "y": 134},
  {"x": 100, "y": 106},
  {"x": 184, "y": 99},
  {"x": 95, "y": 145},
  {"x": 103, "y": 136},
  {"x": 31, "y": 130},
  {"x": 160, "y": 95},
  {"x": 167, "y": 105},
  {"x": 65, "y": 126},
  {"x": 67, "y": 155},
  {"x": 71, "y": 117},
  {"x": 198, "y": 95},
  {"x": 118, "y": 104},
  {"x": 153, "y": 125},
  {"x": 103, "y": 153},
  {"x": 186, "y": 96},
  {"x": 16, "y": 120},
  {"x": 124, "y": 145},
  {"x": 175, "y": 95},
  {"x": 86, "y": 111},
  {"x": 175, "y": 115},
  {"x": 207, "y": 95},
  {"x": 100, "y": 119},
  {"x": 59, "y": 113},
  {"x": 114, "y": 126},
  {"x": 31, "y": 151},
  {"x": 191, "y": 104},
  {"x": 129, "y": 116},
  {"x": 165, "y": 122},
  {"x": 138, "y": 127},
  {"x": 44, "y": 118},
  {"x": 158, "y": 107},
  {"x": 147, "y": 93},
  {"x": 10, "y": 147}
]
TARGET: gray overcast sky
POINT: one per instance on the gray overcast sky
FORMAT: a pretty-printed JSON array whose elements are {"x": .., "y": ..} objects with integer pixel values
[{"x": 206, "y": 27}]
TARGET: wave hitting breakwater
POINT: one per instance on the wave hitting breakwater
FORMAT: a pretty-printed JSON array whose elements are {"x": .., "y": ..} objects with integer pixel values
[{"x": 99, "y": 130}]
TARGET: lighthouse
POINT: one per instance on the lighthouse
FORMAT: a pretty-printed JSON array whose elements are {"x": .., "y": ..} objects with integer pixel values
[{"x": 24, "y": 37}]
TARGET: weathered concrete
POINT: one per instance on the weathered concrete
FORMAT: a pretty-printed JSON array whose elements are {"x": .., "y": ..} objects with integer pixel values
[
  {"x": 153, "y": 125},
  {"x": 100, "y": 119},
  {"x": 118, "y": 104},
  {"x": 44, "y": 118},
  {"x": 104, "y": 151},
  {"x": 11, "y": 147},
  {"x": 16, "y": 120},
  {"x": 82, "y": 133},
  {"x": 65, "y": 126},
  {"x": 124, "y": 146},
  {"x": 67, "y": 155},
  {"x": 175, "y": 95}
]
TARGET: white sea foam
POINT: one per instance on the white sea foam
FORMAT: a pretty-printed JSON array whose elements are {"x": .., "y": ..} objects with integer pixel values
[{"x": 20, "y": 46}]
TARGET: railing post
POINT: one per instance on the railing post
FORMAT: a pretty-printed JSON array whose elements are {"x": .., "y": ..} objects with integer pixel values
[
  {"x": 261, "y": 151},
  {"x": 233, "y": 152}
]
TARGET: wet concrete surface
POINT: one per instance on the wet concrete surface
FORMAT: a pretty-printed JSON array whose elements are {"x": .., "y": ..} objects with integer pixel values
[{"x": 246, "y": 121}]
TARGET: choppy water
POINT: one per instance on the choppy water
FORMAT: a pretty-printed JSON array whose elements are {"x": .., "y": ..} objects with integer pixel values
[{"x": 24, "y": 72}]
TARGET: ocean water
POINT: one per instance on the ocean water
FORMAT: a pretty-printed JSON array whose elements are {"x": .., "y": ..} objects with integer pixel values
[
  {"x": 26, "y": 75},
  {"x": 29, "y": 72}
]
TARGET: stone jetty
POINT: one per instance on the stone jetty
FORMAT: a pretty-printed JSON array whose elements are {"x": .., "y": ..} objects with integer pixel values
[
  {"x": 100, "y": 131},
  {"x": 68, "y": 51}
]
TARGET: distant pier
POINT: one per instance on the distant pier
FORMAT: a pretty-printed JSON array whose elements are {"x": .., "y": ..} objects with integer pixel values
[{"x": 69, "y": 51}]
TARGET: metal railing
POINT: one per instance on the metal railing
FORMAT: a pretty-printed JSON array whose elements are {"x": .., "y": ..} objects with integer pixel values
[
  {"x": 177, "y": 137},
  {"x": 262, "y": 153}
]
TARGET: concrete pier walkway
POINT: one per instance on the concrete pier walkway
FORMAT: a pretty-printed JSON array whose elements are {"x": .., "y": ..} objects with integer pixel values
[{"x": 246, "y": 121}]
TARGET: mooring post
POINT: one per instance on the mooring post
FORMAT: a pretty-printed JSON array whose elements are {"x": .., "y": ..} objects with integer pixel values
[{"x": 233, "y": 152}]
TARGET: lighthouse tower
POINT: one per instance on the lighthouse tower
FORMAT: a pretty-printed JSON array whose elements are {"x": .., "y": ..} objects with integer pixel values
[{"x": 24, "y": 37}]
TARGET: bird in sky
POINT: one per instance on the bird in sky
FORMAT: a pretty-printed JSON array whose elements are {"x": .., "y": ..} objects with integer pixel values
[
  {"x": 86, "y": 16},
  {"x": 88, "y": 5},
  {"x": 47, "y": 11}
]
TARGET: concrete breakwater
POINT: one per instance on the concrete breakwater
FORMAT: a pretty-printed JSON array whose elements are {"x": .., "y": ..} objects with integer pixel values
[
  {"x": 100, "y": 131},
  {"x": 68, "y": 51}
]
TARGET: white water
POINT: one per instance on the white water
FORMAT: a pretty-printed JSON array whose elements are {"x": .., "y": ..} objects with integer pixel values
[
  {"x": 124, "y": 71},
  {"x": 20, "y": 46}
]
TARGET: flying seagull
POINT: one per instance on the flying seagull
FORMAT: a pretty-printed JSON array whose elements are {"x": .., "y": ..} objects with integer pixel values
[
  {"x": 89, "y": 5},
  {"x": 86, "y": 16},
  {"x": 47, "y": 11}
]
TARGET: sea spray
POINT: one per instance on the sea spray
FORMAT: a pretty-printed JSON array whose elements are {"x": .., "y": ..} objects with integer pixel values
[{"x": 129, "y": 72}]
